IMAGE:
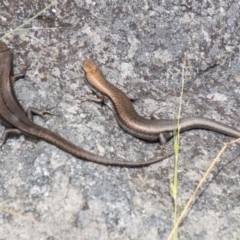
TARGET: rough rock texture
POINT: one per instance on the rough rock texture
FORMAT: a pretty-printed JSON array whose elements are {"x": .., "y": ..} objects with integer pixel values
[{"x": 146, "y": 48}]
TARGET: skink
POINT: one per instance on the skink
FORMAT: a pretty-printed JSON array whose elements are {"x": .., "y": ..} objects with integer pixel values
[
  {"x": 138, "y": 126},
  {"x": 13, "y": 114}
]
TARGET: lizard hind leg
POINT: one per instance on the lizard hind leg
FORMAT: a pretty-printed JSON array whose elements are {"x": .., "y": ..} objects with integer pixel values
[
  {"x": 40, "y": 112},
  {"x": 164, "y": 137},
  {"x": 6, "y": 134}
]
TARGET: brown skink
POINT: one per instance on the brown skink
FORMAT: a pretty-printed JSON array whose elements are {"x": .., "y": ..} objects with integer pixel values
[
  {"x": 138, "y": 126},
  {"x": 13, "y": 114}
]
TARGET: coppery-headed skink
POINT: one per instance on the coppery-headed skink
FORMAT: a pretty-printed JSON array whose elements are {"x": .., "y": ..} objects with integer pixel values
[
  {"x": 13, "y": 114},
  {"x": 138, "y": 126}
]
